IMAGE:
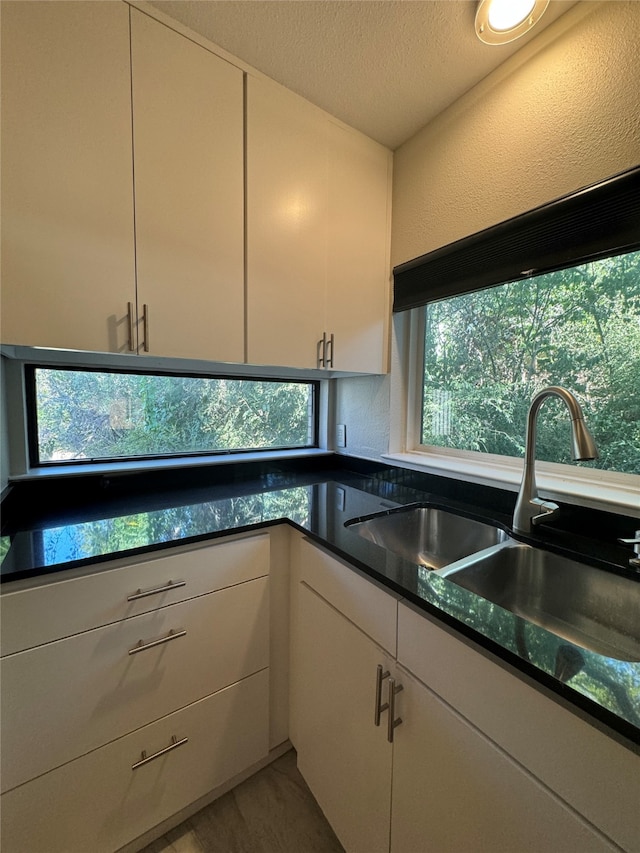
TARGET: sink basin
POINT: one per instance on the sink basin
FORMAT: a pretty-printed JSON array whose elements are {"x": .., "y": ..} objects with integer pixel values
[
  {"x": 427, "y": 536},
  {"x": 589, "y": 607}
]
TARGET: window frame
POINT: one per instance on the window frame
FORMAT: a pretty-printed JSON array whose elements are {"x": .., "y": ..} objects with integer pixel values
[
  {"x": 609, "y": 490},
  {"x": 31, "y": 420}
]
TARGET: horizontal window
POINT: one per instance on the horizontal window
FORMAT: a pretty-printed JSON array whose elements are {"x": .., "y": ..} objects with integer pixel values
[
  {"x": 87, "y": 415},
  {"x": 487, "y": 353}
]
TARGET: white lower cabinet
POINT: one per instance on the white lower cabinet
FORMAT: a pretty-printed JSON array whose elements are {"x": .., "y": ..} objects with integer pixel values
[
  {"x": 432, "y": 782},
  {"x": 454, "y": 790},
  {"x": 411, "y": 739},
  {"x": 86, "y": 690},
  {"x": 181, "y": 689},
  {"x": 344, "y": 758},
  {"x": 99, "y": 802},
  {"x": 594, "y": 774}
]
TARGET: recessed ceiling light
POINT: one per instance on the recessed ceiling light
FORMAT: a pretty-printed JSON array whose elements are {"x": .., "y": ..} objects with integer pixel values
[{"x": 502, "y": 21}]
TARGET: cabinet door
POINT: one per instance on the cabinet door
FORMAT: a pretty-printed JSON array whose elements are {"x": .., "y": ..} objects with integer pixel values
[
  {"x": 344, "y": 758},
  {"x": 454, "y": 790},
  {"x": 67, "y": 205},
  {"x": 565, "y": 752},
  {"x": 189, "y": 191},
  {"x": 358, "y": 281},
  {"x": 286, "y": 226},
  {"x": 318, "y": 235}
]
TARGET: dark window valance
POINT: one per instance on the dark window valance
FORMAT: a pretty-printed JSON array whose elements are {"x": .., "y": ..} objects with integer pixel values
[{"x": 592, "y": 223}]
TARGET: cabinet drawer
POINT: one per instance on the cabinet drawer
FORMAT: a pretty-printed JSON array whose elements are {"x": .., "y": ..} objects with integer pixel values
[
  {"x": 98, "y": 803},
  {"x": 365, "y": 603},
  {"x": 64, "y": 699},
  {"x": 71, "y": 604}
]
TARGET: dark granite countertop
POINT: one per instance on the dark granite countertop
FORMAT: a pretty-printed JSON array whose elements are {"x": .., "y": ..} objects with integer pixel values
[{"x": 51, "y": 527}]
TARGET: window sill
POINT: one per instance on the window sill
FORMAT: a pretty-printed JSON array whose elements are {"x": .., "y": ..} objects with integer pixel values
[
  {"x": 147, "y": 465},
  {"x": 619, "y": 493}
]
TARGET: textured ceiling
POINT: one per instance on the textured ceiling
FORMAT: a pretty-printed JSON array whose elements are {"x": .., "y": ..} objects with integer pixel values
[{"x": 386, "y": 67}]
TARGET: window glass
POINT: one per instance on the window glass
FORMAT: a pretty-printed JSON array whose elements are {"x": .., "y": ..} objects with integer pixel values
[
  {"x": 487, "y": 354},
  {"x": 83, "y": 415}
]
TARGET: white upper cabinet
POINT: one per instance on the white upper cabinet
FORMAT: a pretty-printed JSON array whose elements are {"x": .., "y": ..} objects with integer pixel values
[
  {"x": 188, "y": 126},
  {"x": 67, "y": 200},
  {"x": 79, "y": 269},
  {"x": 125, "y": 171},
  {"x": 358, "y": 265},
  {"x": 317, "y": 238},
  {"x": 287, "y": 215}
]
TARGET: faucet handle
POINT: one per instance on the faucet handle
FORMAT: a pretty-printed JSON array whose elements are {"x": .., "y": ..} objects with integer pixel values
[
  {"x": 634, "y": 562},
  {"x": 547, "y": 510}
]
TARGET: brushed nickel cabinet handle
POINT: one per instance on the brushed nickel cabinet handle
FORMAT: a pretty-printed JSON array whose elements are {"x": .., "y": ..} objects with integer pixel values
[
  {"x": 156, "y": 590},
  {"x": 330, "y": 345},
  {"x": 380, "y": 676},
  {"x": 321, "y": 350},
  {"x": 142, "y": 646},
  {"x": 132, "y": 345},
  {"x": 393, "y": 721},
  {"x": 145, "y": 326},
  {"x": 145, "y": 759}
]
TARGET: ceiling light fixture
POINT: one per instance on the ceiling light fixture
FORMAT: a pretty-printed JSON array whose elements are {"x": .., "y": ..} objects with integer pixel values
[{"x": 502, "y": 21}]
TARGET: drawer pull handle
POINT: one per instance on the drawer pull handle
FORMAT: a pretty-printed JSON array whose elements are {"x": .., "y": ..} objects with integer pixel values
[
  {"x": 380, "y": 676},
  {"x": 156, "y": 590},
  {"x": 393, "y": 720},
  {"x": 145, "y": 759},
  {"x": 142, "y": 646}
]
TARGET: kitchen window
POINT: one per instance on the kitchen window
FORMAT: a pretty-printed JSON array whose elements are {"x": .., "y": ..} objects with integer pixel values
[
  {"x": 487, "y": 353},
  {"x": 549, "y": 297},
  {"x": 88, "y": 415}
]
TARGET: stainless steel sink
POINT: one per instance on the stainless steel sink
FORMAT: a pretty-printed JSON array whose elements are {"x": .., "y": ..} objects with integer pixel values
[
  {"x": 428, "y": 536},
  {"x": 590, "y": 607}
]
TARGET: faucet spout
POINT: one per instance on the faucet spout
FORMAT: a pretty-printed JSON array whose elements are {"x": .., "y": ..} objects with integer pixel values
[{"x": 531, "y": 509}]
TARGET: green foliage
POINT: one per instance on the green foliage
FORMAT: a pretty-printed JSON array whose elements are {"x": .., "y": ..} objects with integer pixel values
[
  {"x": 93, "y": 415},
  {"x": 488, "y": 353}
]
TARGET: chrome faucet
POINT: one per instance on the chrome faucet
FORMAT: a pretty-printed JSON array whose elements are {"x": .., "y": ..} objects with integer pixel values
[{"x": 531, "y": 509}]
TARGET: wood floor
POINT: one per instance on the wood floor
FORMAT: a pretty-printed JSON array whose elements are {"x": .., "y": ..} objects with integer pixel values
[{"x": 272, "y": 812}]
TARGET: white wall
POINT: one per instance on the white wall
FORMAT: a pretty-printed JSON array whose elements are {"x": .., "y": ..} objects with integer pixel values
[{"x": 562, "y": 113}]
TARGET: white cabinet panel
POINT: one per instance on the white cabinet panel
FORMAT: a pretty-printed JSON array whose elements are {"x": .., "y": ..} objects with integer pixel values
[
  {"x": 359, "y": 279},
  {"x": 40, "y": 612},
  {"x": 287, "y": 218},
  {"x": 98, "y": 803},
  {"x": 317, "y": 235},
  {"x": 453, "y": 790},
  {"x": 344, "y": 758},
  {"x": 188, "y": 126},
  {"x": 373, "y": 609},
  {"x": 67, "y": 201},
  {"x": 63, "y": 699},
  {"x": 592, "y": 772}
]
